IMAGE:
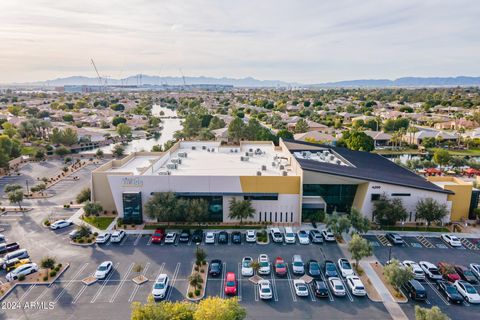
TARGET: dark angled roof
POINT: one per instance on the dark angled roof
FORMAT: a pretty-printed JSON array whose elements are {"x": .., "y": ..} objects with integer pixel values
[{"x": 366, "y": 166}]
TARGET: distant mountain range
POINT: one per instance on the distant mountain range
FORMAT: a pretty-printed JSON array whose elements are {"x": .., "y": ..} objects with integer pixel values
[{"x": 252, "y": 82}]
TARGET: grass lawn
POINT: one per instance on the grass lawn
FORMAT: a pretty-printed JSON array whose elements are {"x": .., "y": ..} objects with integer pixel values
[
  {"x": 99, "y": 222},
  {"x": 469, "y": 152},
  {"x": 419, "y": 229},
  {"x": 399, "y": 152}
]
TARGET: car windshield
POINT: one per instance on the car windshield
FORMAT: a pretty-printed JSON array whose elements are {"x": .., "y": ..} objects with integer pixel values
[
  {"x": 246, "y": 264},
  {"x": 290, "y": 235},
  {"x": 265, "y": 290},
  {"x": 338, "y": 287},
  {"x": 330, "y": 267},
  {"x": 280, "y": 265},
  {"x": 301, "y": 287},
  {"x": 360, "y": 288},
  {"x": 346, "y": 265},
  {"x": 451, "y": 290},
  {"x": 157, "y": 234},
  {"x": 102, "y": 268},
  {"x": 434, "y": 271},
  {"x": 214, "y": 265},
  {"x": 298, "y": 264},
  {"x": 468, "y": 273},
  {"x": 470, "y": 289},
  {"x": 159, "y": 286},
  {"x": 277, "y": 235},
  {"x": 263, "y": 264},
  {"x": 314, "y": 266},
  {"x": 230, "y": 283}
]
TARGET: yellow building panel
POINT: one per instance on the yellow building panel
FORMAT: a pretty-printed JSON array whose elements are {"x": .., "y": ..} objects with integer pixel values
[
  {"x": 461, "y": 197},
  {"x": 360, "y": 195},
  {"x": 269, "y": 184}
]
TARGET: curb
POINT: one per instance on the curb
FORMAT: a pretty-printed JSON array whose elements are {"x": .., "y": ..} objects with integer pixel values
[
  {"x": 82, "y": 244},
  {"x": 204, "y": 287}
]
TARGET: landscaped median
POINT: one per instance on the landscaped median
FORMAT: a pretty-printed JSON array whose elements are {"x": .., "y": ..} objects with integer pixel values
[
  {"x": 197, "y": 281},
  {"x": 397, "y": 294}
]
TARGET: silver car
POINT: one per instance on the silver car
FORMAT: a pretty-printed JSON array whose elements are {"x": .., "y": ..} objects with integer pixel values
[{"x": 298, "y": 267}]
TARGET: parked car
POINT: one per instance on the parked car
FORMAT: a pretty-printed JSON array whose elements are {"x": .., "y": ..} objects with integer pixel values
[
  {"x": 160, "y": 287},
  {"x": 158, "y": 235},
  {"x": 298, "y": 267},
  {"x": 170, "y": 237},
  {"x": 337, "y": 286},
  {"x": 103, "y": 237},
  {"x": 210, "y": 238},
  {"x": 356, "y": 286},
  {"x": 303, "y": 237},
  {"x": 415, "y": 290},
  {"x": 345, "y": 267},
  {"x": 264, "y": 264},
  {"x": 313, "y": 269},
  {"x": 466, "y": 274},
  {"x": 431, "y": 271},
  {"x": 103, "y": 269},
  {"x": 118, "y": 236},
  {"x": 448, "y": 272},
  {"x": 315, "y": 236},
  {"x": 19, "y": 254},
  {"x": 237, "y": 237},
  {"x": 475, "y": 267},
  {"x": 2, "y": 238},
  {"x": 468, "y": 292},
  {"x": 22, "y": 270},
  {"x": 319, "y": 288},
  {"x": 301, "y": 288},
  {"x": 265, "y": 290},
  {"x": 251, "y": 236},
  {"x": 197, "y": 236},
  {"x": 450, "y": 292},
  {"x": 222, "y": 237},
  {"x": 15, "y": 263},
  {"x": 230, "y": 284},
  {"x": 184, "y": 236},
  {"x": 276, "y": 235},
  {"x": 8, "y": 247},
  {"x": 451, "y": 240},
  {"x": 330, "y": 269},
  {"x": 328, "y": 235},
  {"x": 416, "y": 269},
  {"x": 280, "y": 267},
  {"x": 394, "y": 238},
  {"x": 60, "y": 224},
  {"x": 247, "y": 269},
  {"x": 75, "y": 234},
  {"x": 289, "y": 235},
  {"x": 215, "y": 268}
]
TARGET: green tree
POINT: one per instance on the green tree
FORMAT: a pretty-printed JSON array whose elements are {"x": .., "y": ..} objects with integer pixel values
[
  {"x": 48, "y": 262},
  {"x": 388, "y": 212},
  {"x": 197, "y": 210},
  {"x": 118, "y": 150},
  {"x": 9, "y": 129},
  {"x": 359, "y": 248},
  {"x": 241, "y": 209},
  {"x": 253, "y": 129},
  {"x": 396, "y": 274},
  {"x": 83, "y": 195},
  {"x": 216, "y": 123},
  {"x": 357, "y": 140},
  {"x": 301, "y": 126},
  {"x": 117, "y": 120},
  {"x": 124, "y": 130},
  {"x": 200, "y": 256},
  {"x": 16, "y": 196},
  {"x": 284, "y": 134},
  {"x": 162, "y": 206},
  {"x": 99, "y": 153},
  {"x": 441, "y": 157},
  {"x": 360, "y": 223},
  {"x": 434, "y": 313},
  {"x": 195, "y": 280},
  {"x": 338, "y": 223},
  {"x": 62, "y": 151},
  {"x": 430, "y": 210},
  {"x": 12, "y": 187},
  {"x": 215, "y": 308},
  {"x": 166, "y": 310},
  {"x": 92, "y": 208},
  {"x": 69, "y": 137},
  {"x": 236, "y": 129},
  {"x": 191, "y": 125}
]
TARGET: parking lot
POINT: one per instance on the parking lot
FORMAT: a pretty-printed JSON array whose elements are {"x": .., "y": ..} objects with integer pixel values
[{"x": 432, "y": 249}]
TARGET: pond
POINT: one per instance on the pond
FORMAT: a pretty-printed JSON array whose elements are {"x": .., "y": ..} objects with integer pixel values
[{"x": 405, "y": 157}]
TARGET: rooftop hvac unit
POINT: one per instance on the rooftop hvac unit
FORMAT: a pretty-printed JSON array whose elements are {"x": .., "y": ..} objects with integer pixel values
[
  {"x": 264, "y": 168},
  {"x": 182, "y": 154},
  {"x": 258, "y": 151},
  {"x": 164, "y": 173},
  {"x": 212, "y": 150},
  {"x": 172, "y": 166},
  {"x": 236, "y": 150},
  {"x": 176, "y": 160},
  {"x": 339, "y": 162},
  {"x": 249, "y": 154},
  {"x": 231, "y": 150},
  {"x": 251, "y": 150},
  {"x": 244, "y": 158},
  {"x": 204, "y": 147},
  {"x": 284, "y": 173},
  {"x": 194, "y": 148},
  {"x": 282, "y": 167},
  {"x": 332, "y": 157},
  {"x": 274, "y": 164},
  {"x": 246, "y": 153},
  {"x": 259, "y": 173}
]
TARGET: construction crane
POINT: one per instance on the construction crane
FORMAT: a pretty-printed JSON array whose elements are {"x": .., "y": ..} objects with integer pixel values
[{"x": 98, "y": 74}]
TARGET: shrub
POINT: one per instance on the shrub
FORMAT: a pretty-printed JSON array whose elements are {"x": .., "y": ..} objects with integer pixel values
[
  {"x": 197, "y": 292},
  {"x": 47, "y": 223},
  {"x": 45, "y": 278},
  {"x": 199, "y": 287},
  {"x": 190, "y": 294},
  {"x": 59, "y": 265},
  {"x": 196, "y": 268},
  {"x": 57, "y": 268},
  {"x": 53, "y": 273},
  {"x": 89, "y": 240},
  {"x": 48, "y": 263},
  {"x": 21, "y": 277},
  {"x": 202, "y": 270},
  {"x": 95, "y": 234},
  {"x": 80, "y": 240}
]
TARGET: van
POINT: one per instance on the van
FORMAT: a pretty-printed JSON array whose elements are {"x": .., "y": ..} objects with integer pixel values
[
  {"x": 415, "y": 290},
  {"x": 289, "y": 235},
  {"x": 19, "y": 254},
  {"x": 276, "y": 235}
]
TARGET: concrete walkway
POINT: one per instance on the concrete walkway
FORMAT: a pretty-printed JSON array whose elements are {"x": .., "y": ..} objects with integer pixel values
[{"x": 75, "y": 218}]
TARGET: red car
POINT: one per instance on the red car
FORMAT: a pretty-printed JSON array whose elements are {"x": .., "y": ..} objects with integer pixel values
[
  {"x": 448, "y": 272},
  {"x": 158, "y": 235},
  {"x": 230, "y": 284},
  {"x": 280, "y": 267}
]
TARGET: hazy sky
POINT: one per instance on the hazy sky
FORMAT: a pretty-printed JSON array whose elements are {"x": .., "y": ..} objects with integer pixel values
[{"x": 303, "y": 41}]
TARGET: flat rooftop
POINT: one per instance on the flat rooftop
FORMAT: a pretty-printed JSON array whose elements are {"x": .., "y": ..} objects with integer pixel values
[
  {"x": 136, "y": 165},
  {"x": 210, "y": 159}
]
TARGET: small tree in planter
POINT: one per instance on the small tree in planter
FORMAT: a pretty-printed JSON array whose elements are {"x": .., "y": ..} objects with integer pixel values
[{"x": 200, "y": 256}]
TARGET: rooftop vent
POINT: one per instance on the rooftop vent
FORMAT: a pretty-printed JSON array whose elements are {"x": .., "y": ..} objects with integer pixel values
[
  {"x": 244, "y": 158},
  {"x": 284, "y": 173},
  {"x": 172, "y": 166},
  {"x": 274, "y": 164},
  {"x": 194, "y": 148},
  {"x": 204, "y": 147},
  {"x": 264, "y": 168},
  {"x": 177, "y": 160},
  {"x": 259, "y": 173},
  {"x": 182, "y": 154},
  {"x": 282, "y": 167},
  {"x": 251, "y": 150}
]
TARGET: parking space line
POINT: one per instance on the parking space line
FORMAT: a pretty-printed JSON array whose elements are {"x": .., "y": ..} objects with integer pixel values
[
  {"x": 330, "y": 295},
  {"x": 383, "y": 240},
  {"x": 347, "y": 290},
  {"x": 425, "y": 242},
  {"x": 69, "y": 283},
  {"x": 174, "y": 278},
  {"x": 466, "y": 304},
  {"x": 224, "y": 270},
  {"x": 44, "y": 292},
  {"x": 135, "y": 289},
  {"x": 137, "y": 239},
  {"x": 255, "y": 291},
  {"x": 290, "y": 285},
  {"x": 239, "y": 277},
  {"x": 124, "y": 240},
  {"x": 79, "y": 293},
  {"x": 104, "y": 283},
  {"x": 119, "y": 287},
  {"x": 27, "y": 292},
  {"x": 431, "y": 285},
  {"x": 312, "y": 294},
  {"x": 274, "y": 287},
  {"x": 149, "y": 243},
  {"x": 468, "y": 244}
]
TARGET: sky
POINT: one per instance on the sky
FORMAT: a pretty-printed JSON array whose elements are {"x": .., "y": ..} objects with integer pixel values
[{"x": 294, "y": 41}]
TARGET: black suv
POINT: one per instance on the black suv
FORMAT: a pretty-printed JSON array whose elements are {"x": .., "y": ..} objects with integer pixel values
[
  {"x": 415, "y": 290},
  {"x": 197, "y": 236},
  {"x": 215, "y": 268},
  {"x": 450, "y": 292},
  {"x": 319, "y": 288},
  {"x": 222, "y": 237},
  {"x": 184, "y": 236},
  {"x": 236, "y": 237}
]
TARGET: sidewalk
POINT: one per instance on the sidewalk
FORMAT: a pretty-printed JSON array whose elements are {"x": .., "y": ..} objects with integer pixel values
[{"x": 75, "y": 218}]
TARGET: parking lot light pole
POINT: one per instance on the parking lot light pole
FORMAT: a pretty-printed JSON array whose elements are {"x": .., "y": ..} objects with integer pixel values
[
  {"x": 389, "y": 253},
  {"x": 27, "y": 186}
]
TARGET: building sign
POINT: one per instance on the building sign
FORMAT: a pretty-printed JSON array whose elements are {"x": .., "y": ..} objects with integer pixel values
[
  {"x": 132, "y": 182},
  {"x": 376, "y": 187}
]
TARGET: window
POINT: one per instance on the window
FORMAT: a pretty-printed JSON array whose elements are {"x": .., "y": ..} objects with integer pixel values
[
  {"x": 132, "y": 207},
  {"x": 260, "y": 216},
  {"x": 270, "y": 216},
  {"x": 275, "y": 217},
  {"x": 291, "y": 216},
  {"x": 261, "y": 198},
  {"x": 281, "y": 216},
  {"x": 401, "y": 194},
  {"x": 375, "y": 196},
  {"x": 338, "y": 197}
]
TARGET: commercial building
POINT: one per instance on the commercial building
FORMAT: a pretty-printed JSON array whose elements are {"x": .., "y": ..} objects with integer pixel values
[{"x": 285, "y": 183}]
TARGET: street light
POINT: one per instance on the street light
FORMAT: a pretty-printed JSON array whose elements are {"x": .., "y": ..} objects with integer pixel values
[{"x": 389, "y": 253}]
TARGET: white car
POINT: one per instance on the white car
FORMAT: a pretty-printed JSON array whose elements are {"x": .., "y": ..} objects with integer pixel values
[
  {"x": 117, "y": 236},
  {"x": 337, "y": 286},
  {"x": 467, "y": 291},
  {"x": 103, "y": 269},
  {"x": 247, "y": 269},
  {"x": 475, "y": 267},
  {"x": 170, "y": 237},
  {"x": 24, "y": 270},
  {"x": 356, "y": 286},
  {"x": 430, "y": 270},
  {"x": 265, "y": 289},
  {"x": 160, "y": 287},
  {"x": 103, "y": 237},
  {"x": 289, "y": 236},
  {"x": 60, "y": 224},
  {"x": 345, "y": 267},
  {"x": 303, "y": 237},
  {"x": 300, "y": 286},
  {"x": 328, "y": 235},
  {"x": 2, "y": 238},
  {"x": 416, "y": 269},
  {"x": 251, "y": 236},
  {"x": 210, "y": 238},
  {"x": 264, "y": 264},
  {"x": 451, "y": 240}
]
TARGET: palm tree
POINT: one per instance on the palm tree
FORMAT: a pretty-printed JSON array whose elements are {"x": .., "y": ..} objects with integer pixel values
[
  {"x": 241, "y": 209},
  {"x": 195, "y": 280}
]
